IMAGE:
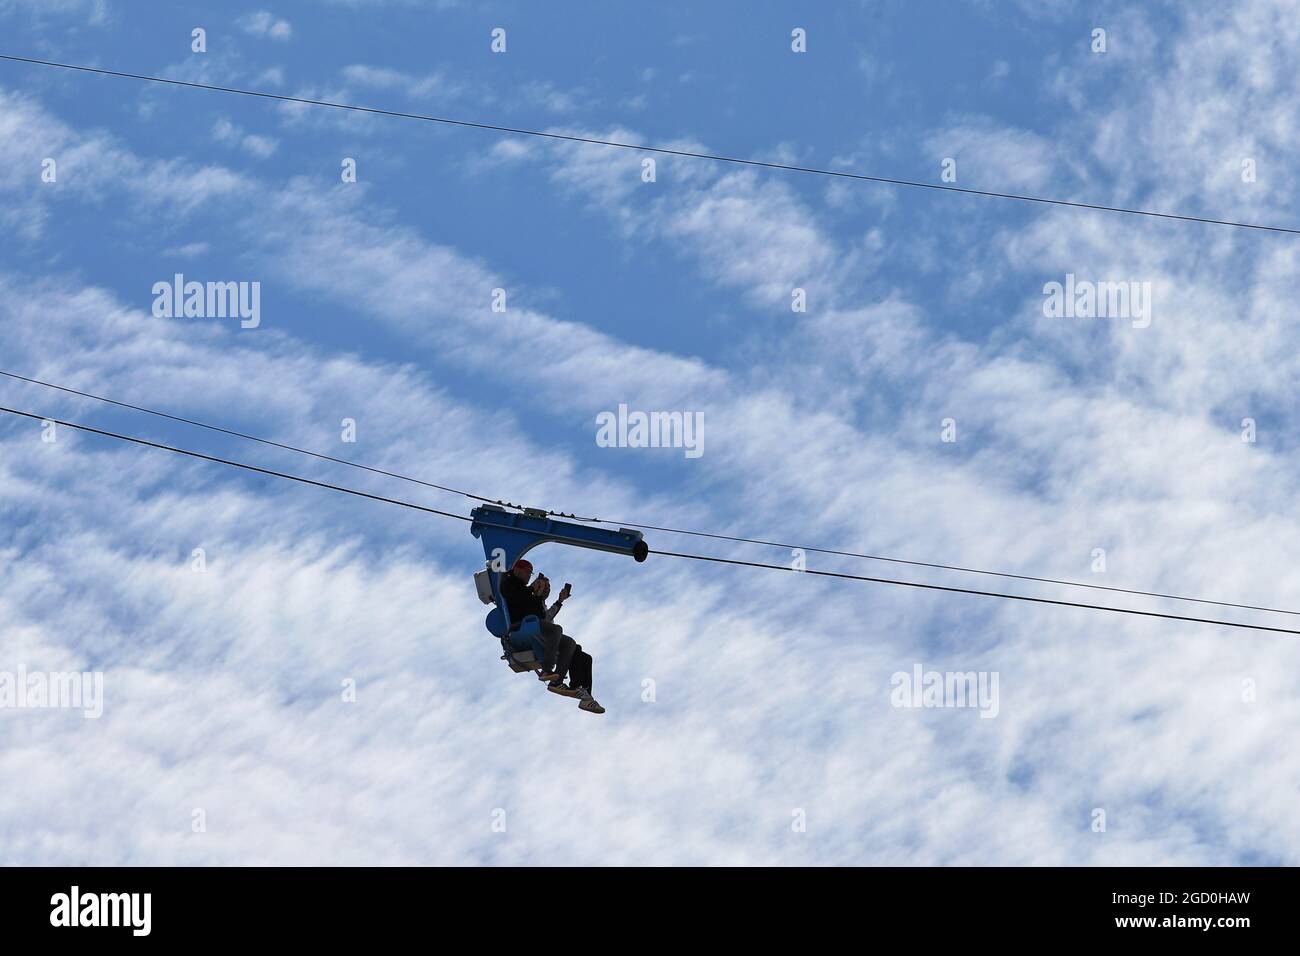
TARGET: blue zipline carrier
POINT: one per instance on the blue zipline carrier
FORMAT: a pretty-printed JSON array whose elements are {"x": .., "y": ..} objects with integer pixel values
[{"x": 507, "y": 536}]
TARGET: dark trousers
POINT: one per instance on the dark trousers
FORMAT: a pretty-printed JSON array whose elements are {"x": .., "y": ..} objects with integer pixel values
[
  {"x": 580, "y": 668},
  {"x": 557, "y": 648}
]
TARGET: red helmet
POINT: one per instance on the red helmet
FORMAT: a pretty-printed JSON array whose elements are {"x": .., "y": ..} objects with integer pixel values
[{"x": 526, "y": 565}]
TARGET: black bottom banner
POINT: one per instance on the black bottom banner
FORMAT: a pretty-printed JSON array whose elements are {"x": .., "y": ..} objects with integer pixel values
[{"x": 1165, "y": 906}]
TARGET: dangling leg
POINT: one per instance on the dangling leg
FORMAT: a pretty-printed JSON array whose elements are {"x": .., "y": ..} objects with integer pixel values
[
  {"x": 566, "y": 655},
  {"x": 581, "y": 671},
  {"x": 551, "y": 635},
  {"x": 564, "y": 658}
]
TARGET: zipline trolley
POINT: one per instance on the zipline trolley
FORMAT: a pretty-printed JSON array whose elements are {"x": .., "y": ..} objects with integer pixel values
[{"x": 507, "y": 536}]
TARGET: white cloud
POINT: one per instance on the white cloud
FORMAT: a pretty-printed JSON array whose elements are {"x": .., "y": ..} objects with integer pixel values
[
  {"x": 87, "y": 167},
  {"x": 749, "y": 231},
  {"x": 553, "y": 99},
  {"x": 190, "y": 250},
  {"x": 271, "y": 77},
  {"x": 420, "y": 87},
  {"x": 994, "y": 157},
  {"x": 266, "y": 24},
  {"x": 95, "y": 12},
  {"x": 256, "y": 145}
]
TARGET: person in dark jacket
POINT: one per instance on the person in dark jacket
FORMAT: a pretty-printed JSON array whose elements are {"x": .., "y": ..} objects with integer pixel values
[
  {"x": 523, "y": 600},
  {"x": 558, "y": 654}
]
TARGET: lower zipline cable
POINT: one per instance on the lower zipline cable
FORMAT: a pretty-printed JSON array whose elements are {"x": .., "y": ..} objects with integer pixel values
[
  {"x": 671, "y": 554},
  {"x": 245, "y": 436},
  {"x": 996, "y": 594},
  {"x": 233, "y": 464}
]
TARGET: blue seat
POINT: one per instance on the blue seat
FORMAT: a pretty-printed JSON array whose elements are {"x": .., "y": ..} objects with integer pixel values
[{"x": 528, "y": 629}]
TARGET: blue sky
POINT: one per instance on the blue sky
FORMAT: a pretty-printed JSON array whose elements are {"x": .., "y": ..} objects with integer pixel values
[{"x": 772, "y": 693}]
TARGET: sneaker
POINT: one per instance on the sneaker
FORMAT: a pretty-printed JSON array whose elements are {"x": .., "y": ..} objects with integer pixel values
[
  {"x": 547, "y": 676},
  {"x": 591, "y": 706},
  {"x": 563, "y": 689}
]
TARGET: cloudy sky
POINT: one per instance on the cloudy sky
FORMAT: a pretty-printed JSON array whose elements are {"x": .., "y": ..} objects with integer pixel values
[{"x": 752, "y": 715}]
